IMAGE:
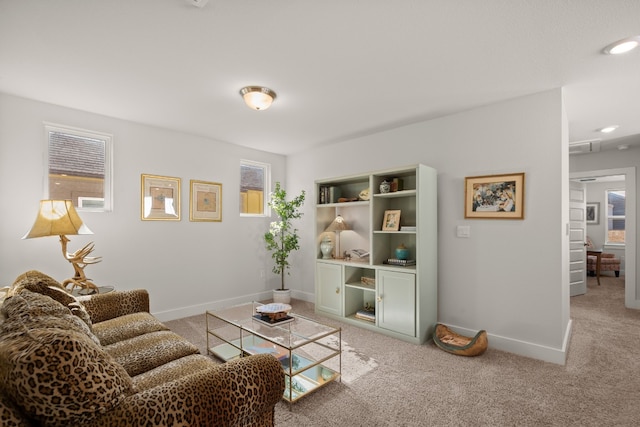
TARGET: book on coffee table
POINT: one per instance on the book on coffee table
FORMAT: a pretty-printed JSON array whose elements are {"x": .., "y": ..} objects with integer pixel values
[{"x": 270, "y": 322}]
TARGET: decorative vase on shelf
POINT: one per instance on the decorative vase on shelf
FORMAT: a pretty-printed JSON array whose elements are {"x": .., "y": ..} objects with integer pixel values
[
  {"x": 385, "y": 187},
  {"x": 326, "y": 247},
  {"x": 402, "y": 252}
]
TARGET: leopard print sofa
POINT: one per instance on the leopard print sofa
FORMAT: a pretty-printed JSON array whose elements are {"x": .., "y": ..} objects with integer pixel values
[{"x": 104, "y": 360}]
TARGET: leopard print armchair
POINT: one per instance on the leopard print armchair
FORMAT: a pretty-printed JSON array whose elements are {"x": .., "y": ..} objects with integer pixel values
[{"x": 105, "y": 360}]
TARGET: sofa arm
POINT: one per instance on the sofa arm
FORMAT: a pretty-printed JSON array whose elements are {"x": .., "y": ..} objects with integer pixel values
[
  {"x": 114, "y": 304},
  {"x": 241, "y": 392}
]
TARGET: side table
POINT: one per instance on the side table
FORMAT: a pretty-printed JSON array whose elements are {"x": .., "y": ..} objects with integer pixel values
[{"x": 84, "y": 292}]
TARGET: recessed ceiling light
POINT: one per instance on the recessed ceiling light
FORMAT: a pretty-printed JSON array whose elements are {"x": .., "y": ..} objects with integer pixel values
[
  {"x": 622, "y": 46},
  {"x": 609, "y": 129},
  {"x": 622, "y": 147}
]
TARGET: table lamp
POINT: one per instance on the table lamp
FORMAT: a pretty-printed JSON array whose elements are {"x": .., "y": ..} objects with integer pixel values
[
  {"x": 59, "y": 218},
  {"x": 337, "y": 226}
]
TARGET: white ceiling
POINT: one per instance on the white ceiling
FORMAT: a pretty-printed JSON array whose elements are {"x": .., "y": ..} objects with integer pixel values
[{"x": 341, "y": 68}]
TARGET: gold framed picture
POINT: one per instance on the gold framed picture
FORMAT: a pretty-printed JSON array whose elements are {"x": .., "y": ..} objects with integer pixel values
[
  {"x": 205, "y": 201},
  {"x": 159, "y": 198},
  {"x": 494, "y": 196},
  {"x": 391, "y": 220}
]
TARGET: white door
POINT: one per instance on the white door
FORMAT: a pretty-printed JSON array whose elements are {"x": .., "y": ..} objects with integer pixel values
[{"x": 577, "y": 238}]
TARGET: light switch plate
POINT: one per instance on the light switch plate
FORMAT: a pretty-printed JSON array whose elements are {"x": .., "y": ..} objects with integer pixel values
[{"x": 463, "y": 231}]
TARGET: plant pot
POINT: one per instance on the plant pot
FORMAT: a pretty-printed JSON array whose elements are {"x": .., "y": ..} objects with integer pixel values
[{"x": 282, "y": 296}]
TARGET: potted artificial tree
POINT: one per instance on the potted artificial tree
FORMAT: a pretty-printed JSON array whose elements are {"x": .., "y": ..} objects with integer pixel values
[{"x": 282, "y": 238}]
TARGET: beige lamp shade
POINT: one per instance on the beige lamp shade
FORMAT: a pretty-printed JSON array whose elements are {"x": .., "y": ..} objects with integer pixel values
[
  {"x": 338, "y": 224},
  {"x": 57, "y": 218}
]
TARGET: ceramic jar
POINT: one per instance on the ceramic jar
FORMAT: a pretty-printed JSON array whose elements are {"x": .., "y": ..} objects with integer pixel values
[
  {"x": 326, "y": 247},
  {"x": 402, "y": 252},
  {"x": 385, "y": 187}
]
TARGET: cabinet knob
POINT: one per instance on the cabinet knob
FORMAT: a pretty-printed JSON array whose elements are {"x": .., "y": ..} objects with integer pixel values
[
  {"x": 379, "y": 299},
  {"x": 337, "y": 290}
]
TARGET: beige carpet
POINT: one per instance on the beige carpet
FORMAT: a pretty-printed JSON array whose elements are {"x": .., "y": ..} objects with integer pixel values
[{"x": 387, "y": 382}]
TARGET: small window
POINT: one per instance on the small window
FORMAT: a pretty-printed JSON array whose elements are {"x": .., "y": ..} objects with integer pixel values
[
  {"x": 78, "y": 167},
  {"x": 254, "y": 180},
  {"x": 616, "y": 216}
]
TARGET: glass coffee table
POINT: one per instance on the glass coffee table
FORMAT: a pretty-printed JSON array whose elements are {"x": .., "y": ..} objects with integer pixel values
[{"x": 310, "y": 352}]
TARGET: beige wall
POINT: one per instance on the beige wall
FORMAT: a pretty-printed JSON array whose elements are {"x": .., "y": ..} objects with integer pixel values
[
  {"x": 485, "y": 282},
  {"x": 491, "y": 280},
  {"x": 186, "y": 266}
]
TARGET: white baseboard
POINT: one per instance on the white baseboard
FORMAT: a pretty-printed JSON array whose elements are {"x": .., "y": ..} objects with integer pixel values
[
  {"x": 523, "y": 348},
  {"x": 304, "y": 296},
  {"x": 194, "y": 310}
]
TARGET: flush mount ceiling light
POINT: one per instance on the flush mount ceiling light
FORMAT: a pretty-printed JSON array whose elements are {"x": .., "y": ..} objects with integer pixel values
[
  {"x": 609, "y": 129},
  {"x": 622, "y": 46},
  {"x": 198, "y": 3},
  {"x": 257, "y": 97}
]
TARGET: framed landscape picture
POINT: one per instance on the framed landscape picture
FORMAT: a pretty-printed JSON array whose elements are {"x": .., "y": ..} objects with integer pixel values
[
  {"x": 494, "y": 196},
  {"x": 159, "y": 198},
  {"x": 205, "y": 201}
]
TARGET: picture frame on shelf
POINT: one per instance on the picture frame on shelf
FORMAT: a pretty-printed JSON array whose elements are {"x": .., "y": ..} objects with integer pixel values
[
  {"x": 159, "y": 198},
  {"x": 494, "y": 196},
  {"x": 205, "y": 201},
  {"x": 593, "y": 213},
  {"x": 391, "y": 220}
]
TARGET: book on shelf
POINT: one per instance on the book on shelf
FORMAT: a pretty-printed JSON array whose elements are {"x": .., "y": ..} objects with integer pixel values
[
  {"x": 363, "y": 314},
  {"x": 334, "y": 194},
  {"x": 368, "y": 312},
  {"x": 408, "y": 228},
  {"x": 401, "y": 262},
  {"x": 324, "y": 194},
  {"x": 329, "y": 194},
  {"x": 359, "y": 253},
  {"x": 367, "y": 315}
]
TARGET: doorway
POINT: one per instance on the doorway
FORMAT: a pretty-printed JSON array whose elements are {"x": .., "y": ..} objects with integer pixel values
[{"x": 632, "y": 299}]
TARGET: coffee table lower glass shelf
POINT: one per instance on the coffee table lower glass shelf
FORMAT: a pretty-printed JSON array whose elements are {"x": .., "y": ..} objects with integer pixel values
[{"x": 310, "y": 352}]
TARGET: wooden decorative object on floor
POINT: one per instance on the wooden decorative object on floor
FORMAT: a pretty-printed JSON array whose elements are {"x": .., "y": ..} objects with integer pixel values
[{"x": 451, "y": 342}]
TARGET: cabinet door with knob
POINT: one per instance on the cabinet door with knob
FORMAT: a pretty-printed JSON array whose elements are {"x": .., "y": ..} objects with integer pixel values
[
  {"x": 329, "y": 288},
  {"x": 396, "y": 301}
]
